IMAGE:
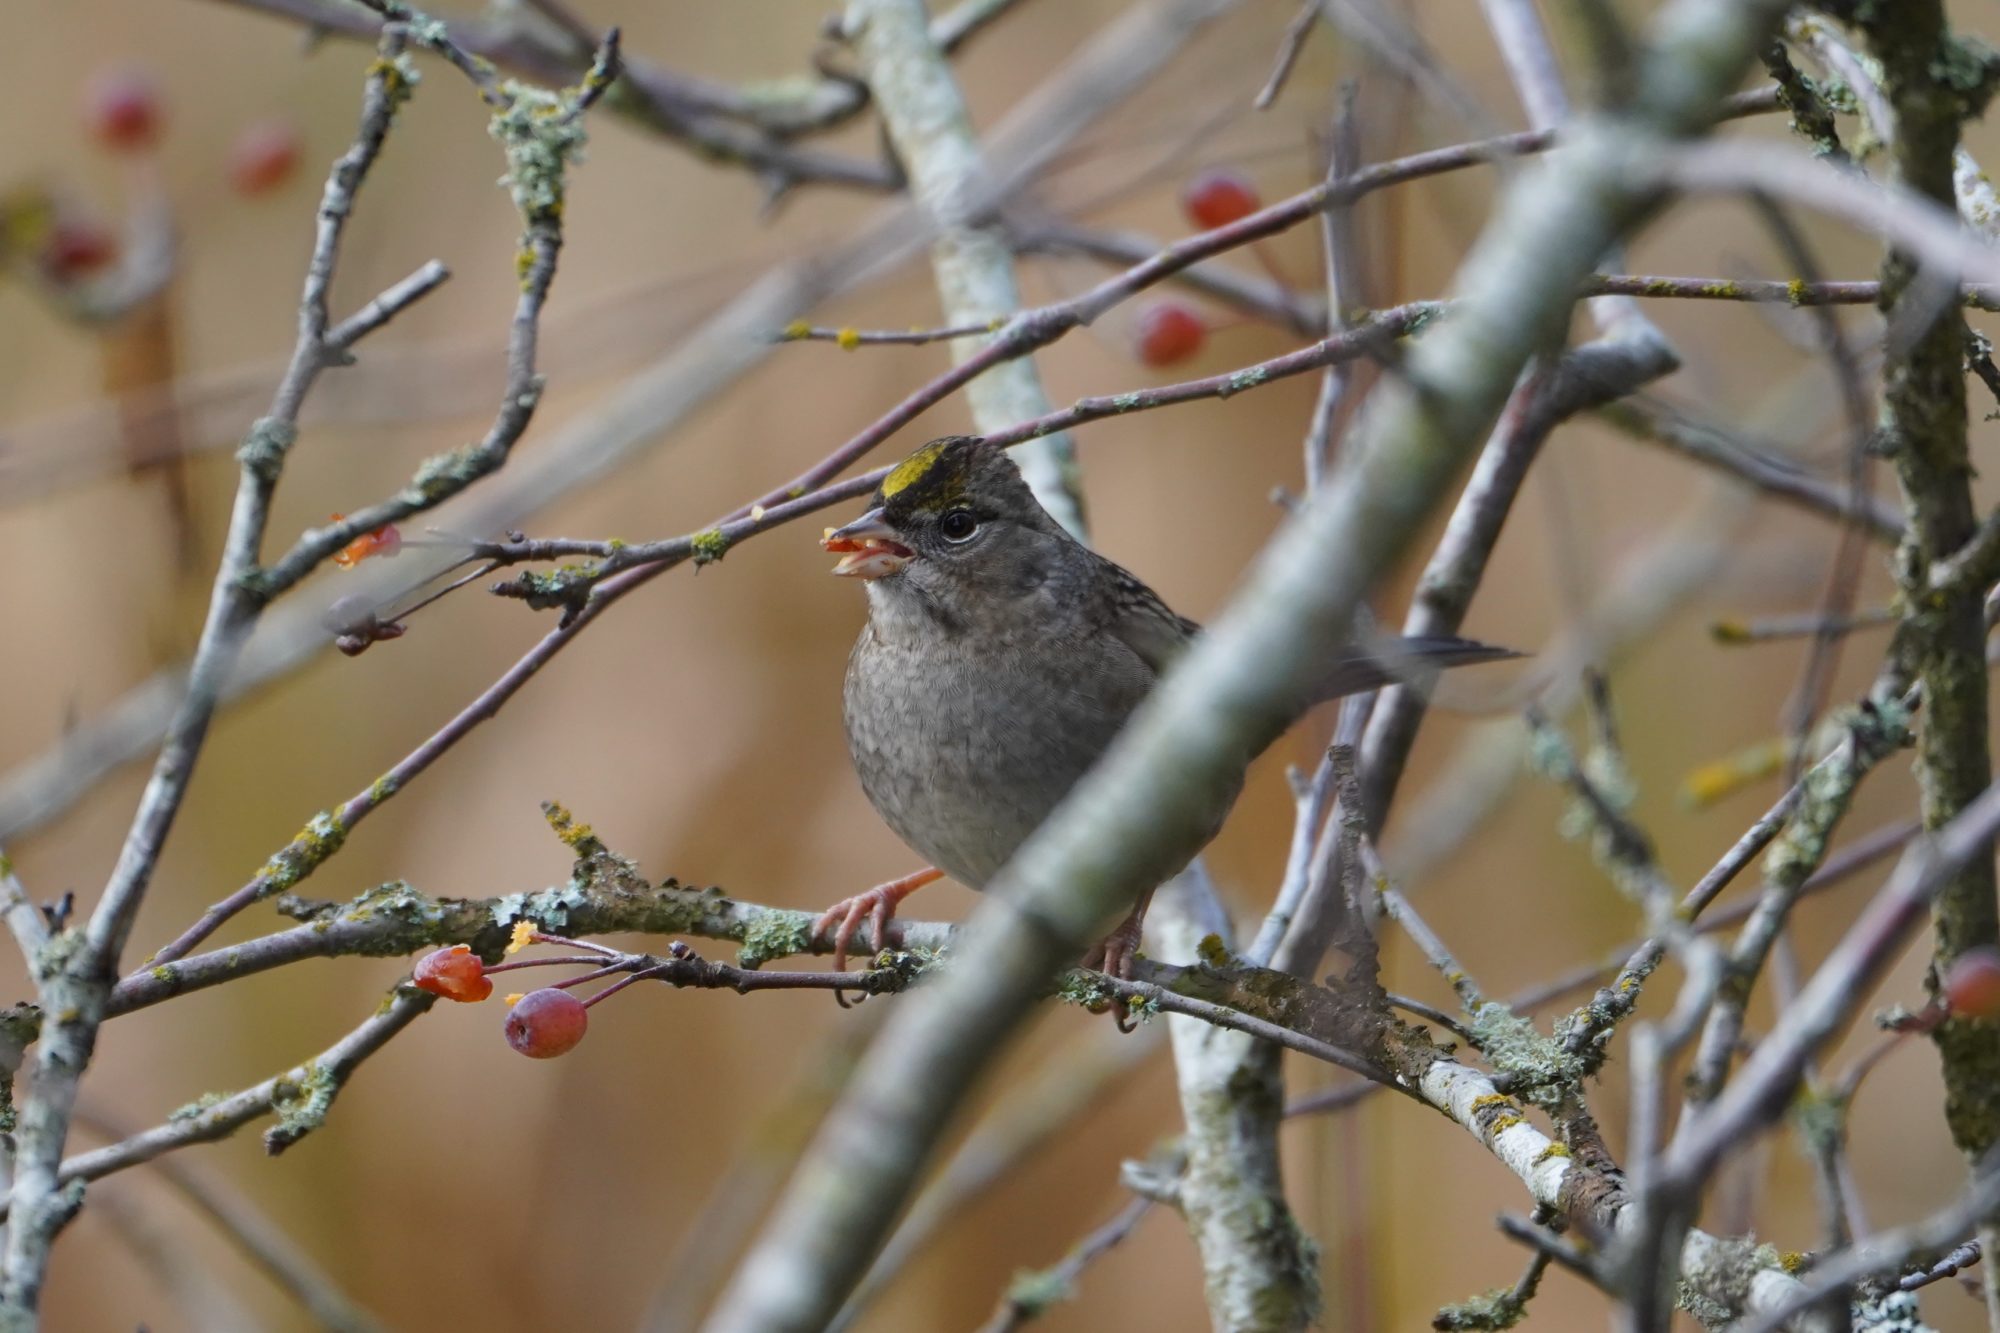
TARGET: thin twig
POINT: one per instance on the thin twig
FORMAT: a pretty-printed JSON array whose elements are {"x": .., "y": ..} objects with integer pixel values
[{"x": 1031, "y": 1294}]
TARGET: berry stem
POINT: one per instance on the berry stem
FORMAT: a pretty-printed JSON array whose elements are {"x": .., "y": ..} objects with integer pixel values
[{"x": 576, "y": 960}]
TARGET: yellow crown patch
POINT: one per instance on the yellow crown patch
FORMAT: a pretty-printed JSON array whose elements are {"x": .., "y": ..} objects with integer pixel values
[{"x": 912, "y": 469}]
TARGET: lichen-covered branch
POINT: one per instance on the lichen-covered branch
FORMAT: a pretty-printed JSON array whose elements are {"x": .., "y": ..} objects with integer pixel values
[
  {"x": 1933, "y": 80},
  {"x": 1106, "y": 843},
  {"x": 75, "y": 969},
  {"x": 300, "y": 1098},
  {"x": 1260, "y": 1271},
  {"x": 927, "y": 120}
]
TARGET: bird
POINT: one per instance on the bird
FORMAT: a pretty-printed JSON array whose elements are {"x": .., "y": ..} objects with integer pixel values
[{"x": 1000, "y": 658}]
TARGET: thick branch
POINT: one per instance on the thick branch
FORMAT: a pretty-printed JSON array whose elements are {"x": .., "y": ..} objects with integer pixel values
[
  {"x": 1119, "y": 831},
  {"x": 1924, "y": 430},
  {"x": 927, "y": 120}
]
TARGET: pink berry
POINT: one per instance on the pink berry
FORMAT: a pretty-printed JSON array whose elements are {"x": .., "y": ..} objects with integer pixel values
[
  {"x": 1972, "y": 986},
  {"x": 121, "y": 108},
  {"x": 263, "y": 157},
  {"x": 1219, "y": 196},
  {"x": 546, "y": 1023},
  {"x": 455, "y": 973},
  {"x": 1169, "y": 332},
  {"x": 76, "y": 247}
]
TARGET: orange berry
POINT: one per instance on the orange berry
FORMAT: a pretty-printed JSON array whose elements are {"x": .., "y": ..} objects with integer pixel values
[
  {"x": 1219, "y": 196},
  {"x": 121, "y": 108},
  {"x": 1169, "y": 332},
  {"x": 546, "y": 1023},
  {"x": 385, "y": 541},
  {"x": 455, "y": 973},
  {"x": 1972, "y": 986},
  {"x": 263, "y": 157}
]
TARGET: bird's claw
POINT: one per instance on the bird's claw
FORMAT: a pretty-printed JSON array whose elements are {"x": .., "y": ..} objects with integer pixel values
[{"x": 841, "y": 921}]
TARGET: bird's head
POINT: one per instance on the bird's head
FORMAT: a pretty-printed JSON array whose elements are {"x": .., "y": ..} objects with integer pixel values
[{"x": 953, "y": 519}]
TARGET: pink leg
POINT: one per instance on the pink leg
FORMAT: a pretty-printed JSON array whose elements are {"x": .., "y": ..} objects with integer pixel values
[
  {"x": 1114, "y": 954},
  {"x": 876, "y": 906}
]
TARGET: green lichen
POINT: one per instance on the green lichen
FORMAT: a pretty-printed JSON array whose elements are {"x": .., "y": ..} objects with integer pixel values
[
  {"x": 566, "y": 585},
  {"x": 709, "y": 546},
  {"x": 264, "y": 447},
  {"x": 444, "y": 475},
  {"x": 1142, "y": 1009},
  {"x": 1427, "y": 313},
  {"x": 1795, "y": 291},
  {"x": 1034, "y": 1291},
  {"x": 1496, "y": 1309},
  {"x": 1722, "y": 291},
  {"x": 549, "y": 908},
  {"x": 1127, "y": 402},
  {"x": 578, "y": 837},
  {"x": 1727, "y": 1278},
  {"x": 1084, "y": 989},
  {"x": 309, "y": 848},
  {"x": 1896, "y": 1312},
  {"x": 1873, "y": 731},
  {"x": 774, "y": 933},
  {"x": 1821, "y": 1122},
  {"x": 1212, "y": 951},
  {"x": 542, "y": 135},
  {"x": 193, "y": 1110},
  {"x": 399, "y": 77},
  {"x": 1540, "y": 1065},
  {"x": 301, "y": 1106},
  {"x": 382, "y": 788},
  {"x": 1969, "y": 68},
  {"x": 1248, "y": 378},
  {"x": 1554, "y": 1150}
]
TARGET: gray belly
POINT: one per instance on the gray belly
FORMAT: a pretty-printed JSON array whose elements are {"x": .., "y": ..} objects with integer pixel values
[{"x": 964, "y": 757}]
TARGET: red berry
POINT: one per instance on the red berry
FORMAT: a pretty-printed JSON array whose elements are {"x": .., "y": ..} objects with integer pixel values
[
  {"x": 263, "y": 157},
  {"x": 76, "y": 247},
  {"x": 455, "y": 973},
  {"x": 545, "y": 1023},
  {"x": 1972, "y": 986},
  {"x": 1219, "y": 196},
  {"x": 121, "y": 108},
  {"x": 1169, "y": 332}
]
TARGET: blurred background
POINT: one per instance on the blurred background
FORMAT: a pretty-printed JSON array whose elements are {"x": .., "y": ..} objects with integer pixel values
[{"x": 697, "y": 726}]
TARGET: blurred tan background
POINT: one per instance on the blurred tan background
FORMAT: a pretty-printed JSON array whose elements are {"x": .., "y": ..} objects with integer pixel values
[{"x": 697, "y": 726}]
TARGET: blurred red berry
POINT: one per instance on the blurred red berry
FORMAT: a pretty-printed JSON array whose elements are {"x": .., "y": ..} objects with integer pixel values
[
  {"x": 76, "y": 247},
  {"x": 263, "y": 157},
  {"x": 545, "y": 1023},
  {"x": 1169, "y": 332},
  {"x": 455, "y": 973},
  {"x": 1972, "y": 986},
  {"x": 1218, "y": 197},
  {"x": 121, "y": 108}
]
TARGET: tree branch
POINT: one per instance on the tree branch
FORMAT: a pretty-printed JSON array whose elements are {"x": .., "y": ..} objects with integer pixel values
[{"x": 1116, "y": 834}]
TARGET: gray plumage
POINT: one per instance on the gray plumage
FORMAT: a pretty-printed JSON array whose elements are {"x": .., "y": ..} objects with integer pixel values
[{"x": 998, "y": 664}]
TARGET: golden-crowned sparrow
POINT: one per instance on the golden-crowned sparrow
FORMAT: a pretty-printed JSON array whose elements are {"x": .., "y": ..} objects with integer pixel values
[{"x": 1000, "y": 658}]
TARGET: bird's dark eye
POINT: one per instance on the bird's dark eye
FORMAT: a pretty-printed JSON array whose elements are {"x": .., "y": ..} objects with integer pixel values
[{"x": 958, "y": 525}]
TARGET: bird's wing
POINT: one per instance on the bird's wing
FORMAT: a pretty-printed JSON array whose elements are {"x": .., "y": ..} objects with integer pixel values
[{"x": 1147, "y": 625}]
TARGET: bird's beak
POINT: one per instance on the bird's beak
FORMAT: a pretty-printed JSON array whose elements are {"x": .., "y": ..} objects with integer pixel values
[{"x": 868, "y": 548}]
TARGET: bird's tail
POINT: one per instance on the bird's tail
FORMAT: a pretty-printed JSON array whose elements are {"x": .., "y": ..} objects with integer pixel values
[{"x": 1391, "y": 659}]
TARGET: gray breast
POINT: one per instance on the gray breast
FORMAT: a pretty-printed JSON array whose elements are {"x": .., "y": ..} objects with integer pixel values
[{"x": 964, "y": 752}]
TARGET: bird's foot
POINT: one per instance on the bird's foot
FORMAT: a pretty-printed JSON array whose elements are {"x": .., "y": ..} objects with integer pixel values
[
  {"x": 876, "y": 906},
  {"x": 1114, "y": 955}
]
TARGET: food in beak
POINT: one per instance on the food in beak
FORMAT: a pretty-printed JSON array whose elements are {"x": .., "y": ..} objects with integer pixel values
[{"x": 865, "y": 551}]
